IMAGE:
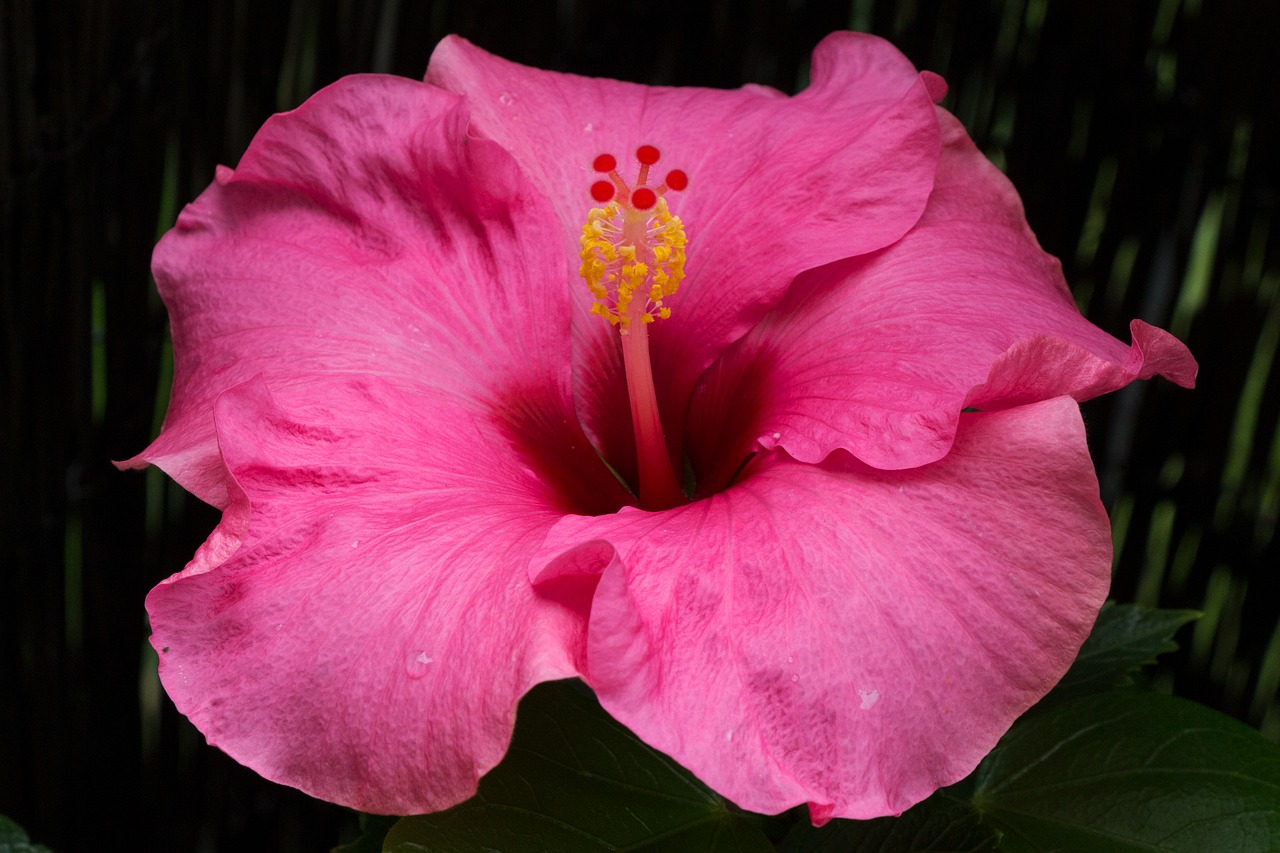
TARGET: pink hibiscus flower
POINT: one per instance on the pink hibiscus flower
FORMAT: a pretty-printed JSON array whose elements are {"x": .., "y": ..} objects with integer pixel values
[{"x": 391, "y": 379}]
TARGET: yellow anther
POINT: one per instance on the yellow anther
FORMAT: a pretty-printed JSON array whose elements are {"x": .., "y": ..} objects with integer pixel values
[{"x": 626, "y": 250}]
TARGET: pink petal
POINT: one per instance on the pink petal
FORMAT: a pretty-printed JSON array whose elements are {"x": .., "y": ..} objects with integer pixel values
[
  {"x": 1045, "y": 365},
  {"x": 843, "y": 636},
  {"x": 777, "y": 185},
  {"x": 361, "y": 625},
  {"x": 857, "y": 147},
  {"x": 373, "y": 381},
  {"x": 362, "y": 233},
  {"x": 878, "y": 355}
]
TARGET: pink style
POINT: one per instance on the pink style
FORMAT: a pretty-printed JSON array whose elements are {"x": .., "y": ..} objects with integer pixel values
[{"x": 878, "y": 539}]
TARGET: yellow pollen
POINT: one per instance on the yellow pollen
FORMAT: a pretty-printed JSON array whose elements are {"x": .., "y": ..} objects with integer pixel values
[{"x": 625, "y": 250}]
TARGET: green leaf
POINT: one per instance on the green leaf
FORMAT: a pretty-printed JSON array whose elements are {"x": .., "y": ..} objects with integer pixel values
[
  {"x": 373, "y": 829},
  {"x": 576, "y": 780},
  {"x": 1132, "y": 771},
  {"x": 941, "y": 824},
  {"x": 1125, "y": 638},
  {"x": 13, "y": 839},
  {"x": 1121, "y": 771}
]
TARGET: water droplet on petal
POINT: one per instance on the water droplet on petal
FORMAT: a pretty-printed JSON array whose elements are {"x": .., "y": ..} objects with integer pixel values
[
  {"x": 795, "y": 677},
  {"x": 355, "y": 543},
  {"x": 869, "y": 698},
  {"x": 417, "y": 663},
  {"x": 588, "y": 127},
  {"x": 506, "y": 99}
]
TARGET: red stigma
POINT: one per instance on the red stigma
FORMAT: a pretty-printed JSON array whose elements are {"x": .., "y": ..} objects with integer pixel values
[
  {"x": 602, "y": 191},
  {"x": 647, "y": 155},
  {"x": 638, "y": 195},
  {"x": 643, "y": 198}
]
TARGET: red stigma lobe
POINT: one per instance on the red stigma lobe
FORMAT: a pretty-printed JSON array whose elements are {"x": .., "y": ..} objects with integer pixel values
[
  {"x": 602, "y": 191},
  {"x": 643, "y": 198}
]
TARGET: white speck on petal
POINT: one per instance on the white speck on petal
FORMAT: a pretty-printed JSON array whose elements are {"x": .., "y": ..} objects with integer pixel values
[
  {"x": 869, "y": 698},
  {"x": 417, "y": 664}
]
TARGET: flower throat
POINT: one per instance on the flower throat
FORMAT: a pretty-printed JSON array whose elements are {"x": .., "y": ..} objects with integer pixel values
[{"x": 633, "y": 253}]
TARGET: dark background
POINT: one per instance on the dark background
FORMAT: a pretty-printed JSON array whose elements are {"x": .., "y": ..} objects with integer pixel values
[{"x": 1142, "y": 135}]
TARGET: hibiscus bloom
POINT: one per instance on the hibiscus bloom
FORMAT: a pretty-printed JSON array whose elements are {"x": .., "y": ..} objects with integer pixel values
[{"x": 859, "y": 532}]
